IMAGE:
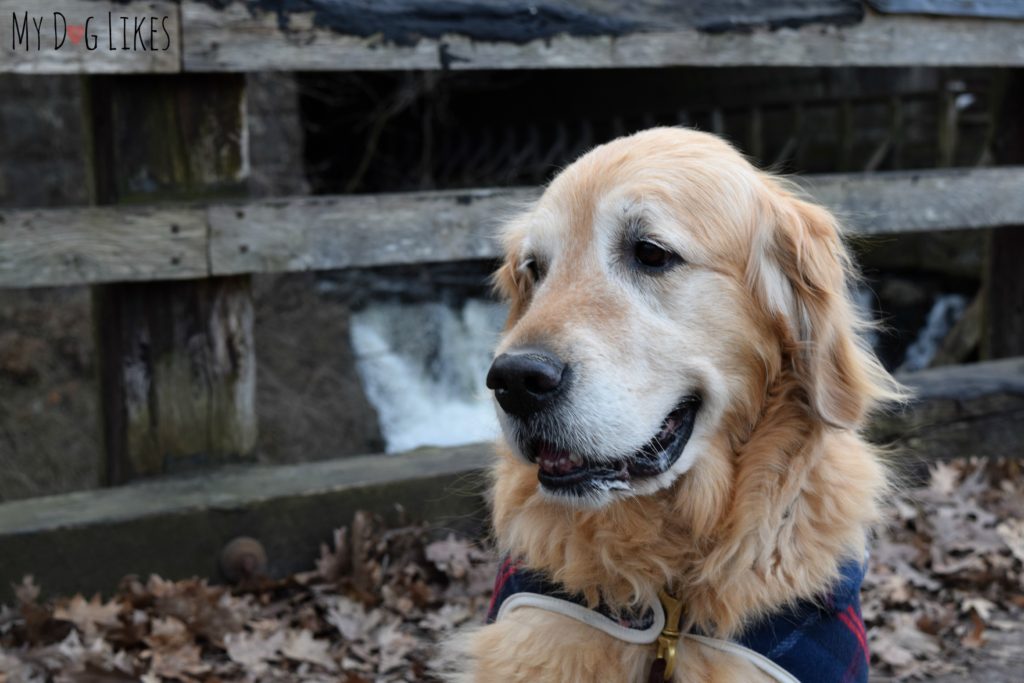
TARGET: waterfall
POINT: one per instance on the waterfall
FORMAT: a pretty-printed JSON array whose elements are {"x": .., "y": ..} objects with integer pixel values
[
  {"x": 423, "y": 363},
  {"x": 423, "y": 367},
  {"x": 947, "y": 309}
]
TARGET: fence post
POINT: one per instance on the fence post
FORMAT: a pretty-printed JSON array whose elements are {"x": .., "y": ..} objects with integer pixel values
[
  {"x": 176, "y": 358},
  {"x": 1003, "y": 282}
]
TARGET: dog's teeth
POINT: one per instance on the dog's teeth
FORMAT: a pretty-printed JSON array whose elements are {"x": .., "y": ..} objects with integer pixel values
[
  {"x": 576, "y": 460},
  {"x": 667, "y": 429}
]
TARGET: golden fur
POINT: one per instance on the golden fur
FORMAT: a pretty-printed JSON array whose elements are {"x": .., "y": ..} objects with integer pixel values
[{"x": 779, "y": 488}]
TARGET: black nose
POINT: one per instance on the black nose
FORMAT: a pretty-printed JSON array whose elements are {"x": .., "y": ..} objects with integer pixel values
[{"x": 525, "y": 381}]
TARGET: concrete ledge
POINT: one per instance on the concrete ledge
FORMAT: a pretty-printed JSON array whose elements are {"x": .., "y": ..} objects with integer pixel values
[
  {"x": 177, "y": 527},
  {"x": 959, "y": 411}
]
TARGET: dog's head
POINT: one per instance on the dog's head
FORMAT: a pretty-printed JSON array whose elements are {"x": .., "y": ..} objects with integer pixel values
[{"x": 658, "y": 290}]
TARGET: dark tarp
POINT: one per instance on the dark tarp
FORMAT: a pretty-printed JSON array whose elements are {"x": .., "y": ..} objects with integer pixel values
[{"x": 990, "y": 9}]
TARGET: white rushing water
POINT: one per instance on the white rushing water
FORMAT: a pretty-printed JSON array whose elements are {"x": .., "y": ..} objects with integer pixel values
[
  {"x": 423, "y": 367},
  {"x": 945, "y": 312},
  {"x": 423, "y": 364}
]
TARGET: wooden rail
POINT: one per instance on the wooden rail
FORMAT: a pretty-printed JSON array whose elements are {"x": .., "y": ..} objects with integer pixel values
[
  {"x": 252, "y": 35},
  {"x": 103, "y": 244}
]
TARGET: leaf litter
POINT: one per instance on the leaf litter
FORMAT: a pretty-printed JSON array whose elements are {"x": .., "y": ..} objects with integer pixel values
[{"x": 943, "y": 593}]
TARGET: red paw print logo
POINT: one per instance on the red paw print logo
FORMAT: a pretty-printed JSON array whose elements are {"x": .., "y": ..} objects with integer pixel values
[{"x": 75, "y": 33}]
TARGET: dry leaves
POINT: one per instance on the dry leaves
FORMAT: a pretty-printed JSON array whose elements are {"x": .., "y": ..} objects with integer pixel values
[
  {"x": 374, "y": 609},
  {"x": 947, "y": 572},
  {"x": 90, "y": 616},
  {"x": 943, "y": 593}
]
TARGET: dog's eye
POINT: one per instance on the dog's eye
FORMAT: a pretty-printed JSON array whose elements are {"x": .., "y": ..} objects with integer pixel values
[
  {"x": 533, "y": 268},
  {"x": 650, "y": 255}
]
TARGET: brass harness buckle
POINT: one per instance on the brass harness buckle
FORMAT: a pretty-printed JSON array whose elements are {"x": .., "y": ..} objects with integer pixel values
[{"x": 668, "y": 639}]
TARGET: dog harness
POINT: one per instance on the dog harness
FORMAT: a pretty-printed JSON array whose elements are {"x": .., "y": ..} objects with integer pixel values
[{"x": 812, "y": 640}]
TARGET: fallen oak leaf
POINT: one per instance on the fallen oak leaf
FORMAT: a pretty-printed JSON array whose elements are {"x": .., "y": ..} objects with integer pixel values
[
  {"x": 979, "y": 606},
  {"x": 944, "y": 478},
  {"x": 446, "y": 618},
  {"x": 301, "y": 646},
  {"x": 254, "y": 650},
  {"x": 180, "y": 663},
  {"x": 453, "y": 556},
  {"x": 350, "y": 618},
  {"x": 98, "y": 655},
  {"x": 901, "y": 644},
  {"x": 167, "y": 632},
  {"x": 90, "y": 615},
  {"x": 395, "y": 646},
  {"x": 208, "y": 611},
  {"x": 1012, "y": 533}
]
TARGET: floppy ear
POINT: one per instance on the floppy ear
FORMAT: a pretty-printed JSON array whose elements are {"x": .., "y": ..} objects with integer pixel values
[
  {"x": 511, "y": 284},
  {"x": 841, "y": 374}
]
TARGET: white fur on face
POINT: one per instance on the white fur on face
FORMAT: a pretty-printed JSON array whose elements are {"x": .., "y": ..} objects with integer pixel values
[{"x": 637, "y": 343}]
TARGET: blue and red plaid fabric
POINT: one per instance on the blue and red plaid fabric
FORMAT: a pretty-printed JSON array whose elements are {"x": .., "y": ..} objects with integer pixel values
[
  {"x": 820, "y": 641},
  {"x": 514, "y": 578}
]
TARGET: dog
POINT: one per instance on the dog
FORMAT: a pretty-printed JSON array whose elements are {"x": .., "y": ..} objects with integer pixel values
[{"x": 680, "y": 387}]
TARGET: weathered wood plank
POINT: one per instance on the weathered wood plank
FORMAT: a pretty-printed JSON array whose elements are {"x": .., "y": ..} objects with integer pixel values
[
  {"x": 71, "y": 246},
  {"x": 252, "y": 36},
  {"x": 205, "y": 36},
  {"x": 90, "y": 37},
  {"x": 909, "y": 201},
  {"x": 161, "y": 138},
  {"x": 340, "y": 232},
  {"x": 1003, "y": 292},
  {"x": 318, "y": 233},
  {"x": 177, "y": 526},
  {"x": 1003, "y": 279},
  {"x": 176, "y": 359},
  {"x": 178, "y": 372}
]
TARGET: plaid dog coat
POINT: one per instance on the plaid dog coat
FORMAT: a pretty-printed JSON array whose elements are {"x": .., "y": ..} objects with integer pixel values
[{"x": 820, "y": 641}]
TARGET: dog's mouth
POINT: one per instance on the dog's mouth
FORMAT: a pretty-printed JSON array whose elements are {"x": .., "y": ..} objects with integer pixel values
[{"x": 569, "y": 472}]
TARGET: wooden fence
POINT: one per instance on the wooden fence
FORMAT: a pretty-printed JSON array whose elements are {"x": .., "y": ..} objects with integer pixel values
[
  {"x": 250, "y": 35},
  {"x": 169, "y": 258}
]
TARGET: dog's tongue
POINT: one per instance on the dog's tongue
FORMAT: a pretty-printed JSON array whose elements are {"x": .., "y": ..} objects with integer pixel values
[
  {"x": 668, "y": 428},
  {"x": 554, "y": 461}
]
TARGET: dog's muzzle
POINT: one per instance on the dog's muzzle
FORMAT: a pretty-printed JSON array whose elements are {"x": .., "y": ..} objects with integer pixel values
[
  {"x": 529, "y": 383},
  {"x": 572, "y": 473}
]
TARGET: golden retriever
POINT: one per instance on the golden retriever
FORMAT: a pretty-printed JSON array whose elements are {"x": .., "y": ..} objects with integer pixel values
[{"x": 680, "y": 386}]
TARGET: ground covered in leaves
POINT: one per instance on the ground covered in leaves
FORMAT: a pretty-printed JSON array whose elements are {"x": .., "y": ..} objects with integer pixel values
[
  {"x": 942, "y": 600},
  {"x": 944, "y": 594}
]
